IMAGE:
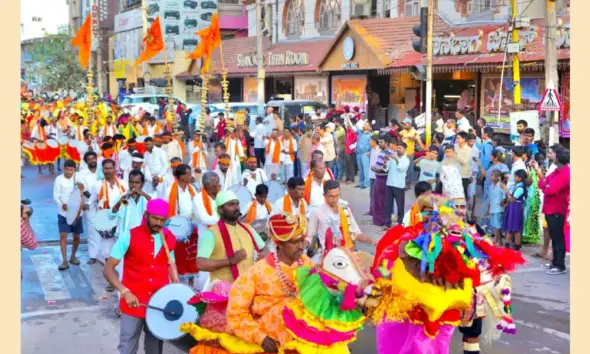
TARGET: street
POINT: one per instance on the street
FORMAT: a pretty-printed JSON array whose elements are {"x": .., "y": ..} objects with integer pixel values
[{"x": 65, "y": 311}]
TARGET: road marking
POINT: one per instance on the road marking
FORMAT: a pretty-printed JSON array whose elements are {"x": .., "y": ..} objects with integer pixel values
[
  {"x": 551, "y": 331},
  {"x": 28, "y": 315},
  {"x": 52, "y": 283}
]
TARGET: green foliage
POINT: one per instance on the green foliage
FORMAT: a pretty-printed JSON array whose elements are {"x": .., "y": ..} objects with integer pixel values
[{"x": 57, "y": 62}]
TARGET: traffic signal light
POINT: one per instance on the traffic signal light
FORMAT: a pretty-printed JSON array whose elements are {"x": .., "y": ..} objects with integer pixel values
[{"x": 421, "y": 31}]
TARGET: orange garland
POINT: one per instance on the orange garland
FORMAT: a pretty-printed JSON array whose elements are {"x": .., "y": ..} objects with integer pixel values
[
  {"x": 173, "y": 198},
  {"x": 287, "y": 206},
  {"x": 307, "y": 188},
  {"x": 207, "y": 202},
  {"x": 276, "y": 155},
  {"x": 291, "y": 152},
  {"x": 251, "y": 215},
  {"x": 104, "y": 192},
  {"x": 197, "y": 156}
]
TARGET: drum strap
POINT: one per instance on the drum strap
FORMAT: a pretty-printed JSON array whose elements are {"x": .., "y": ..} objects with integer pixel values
[{"x": 229, "y": 250}]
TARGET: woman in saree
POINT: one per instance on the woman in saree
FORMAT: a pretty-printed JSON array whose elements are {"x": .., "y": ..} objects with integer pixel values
[{"x": 531, "y": 231}]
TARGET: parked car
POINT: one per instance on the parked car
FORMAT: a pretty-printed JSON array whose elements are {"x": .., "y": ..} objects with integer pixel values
[
  {"x": 153, "y": 9},
  {"x": 209, "y": 5},
  {"x": 172, "y": 14},
  {"x": 147, "y": 102},
  {"x": 190, "y": 4},
  {"x": 286, "y": 109},
  {"x": 207, "y": 16},
  {"x": 172, "y": 29},
  {"x": 190, "y": 22}
]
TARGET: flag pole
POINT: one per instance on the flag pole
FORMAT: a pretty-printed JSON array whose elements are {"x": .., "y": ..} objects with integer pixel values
[{"x": 90, "y": 88}]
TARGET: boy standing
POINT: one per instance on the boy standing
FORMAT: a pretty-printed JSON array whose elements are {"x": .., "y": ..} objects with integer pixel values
[
  {"x": 429, "y": 166},
  {"x": 496, "y": 210}
]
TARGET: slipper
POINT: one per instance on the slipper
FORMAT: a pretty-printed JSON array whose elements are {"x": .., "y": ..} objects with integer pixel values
[
  {"x": 75, "y": 262},
  {"x": 63, "y": 267},
  {"x": 539, "y": 255},
  {"x": 118, "y": 312}
]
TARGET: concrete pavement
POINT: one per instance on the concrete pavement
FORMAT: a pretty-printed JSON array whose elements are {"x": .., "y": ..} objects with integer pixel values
[{"x": 65, "y": 311}]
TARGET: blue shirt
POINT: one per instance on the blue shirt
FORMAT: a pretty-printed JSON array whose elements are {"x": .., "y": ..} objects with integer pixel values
[
  {"x": 488, "y": 181},
  {"x": 485, "y": 155},
  {"x": 122, "y": 246},
  {"x": 497, "y": 195},
  {"x": 363, "y": 142},
  {"x": 518, "y": 191},
  {"x": 396, "y": 175}
]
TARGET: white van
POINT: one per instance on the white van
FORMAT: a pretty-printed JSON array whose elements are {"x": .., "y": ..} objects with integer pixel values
[{"x": 147, "y": 102}]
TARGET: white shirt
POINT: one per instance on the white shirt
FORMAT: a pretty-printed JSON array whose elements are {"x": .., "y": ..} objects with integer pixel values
[
  {"x": 327, "y": 142},
  {"x": 271, "y": 150},
  {"x": 277, "y": 207},
  {"x": 261, "y": 211},
  {"x": 79, "y": 133},
  {"x": 124, "y": 160},
  {"x": 111, "y": 130},
  {"x": 151, "y": 130},
  {"x": 316, "y": 196},
  {"x": 323, "y": 217},
  {"x": 203, "y": 218},
  {"x": 231, "y": 149},
  {"x": 193, "y": 149},
  {"x": 62, "y": 191},
  {"x": 157, "y": 162},
  {"x": 286, "y": 158},
  {"x": 257, "y": 134},
  {"x": 463, "y": 124},
  {"x": 259, "y": 178},
  {"x": 186, "y": 204},
  {"x": 269, "y": 124},
  {"x": 173, "y": 150},
  {"x": 517, "y": 165},
  {"x": 113, "y": 192},
  {"x": 89, "y": 179}
]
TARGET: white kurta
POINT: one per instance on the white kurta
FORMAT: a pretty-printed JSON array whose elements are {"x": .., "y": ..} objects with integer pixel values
[
  {"x": 288, "y": 163},
  {"x": 271, "y": 167},
  {"x": 277, "y": 207},
  {"x": 157, "y": 162},
  {"x": 89, "y": 179},
  {"x": 107, "y": 130},
  {"x": 254, "y": 178},
  {"x": 204, "y": 219},
  {"x": 186, "y": 204},
  {"x": 198, "y": 157}
]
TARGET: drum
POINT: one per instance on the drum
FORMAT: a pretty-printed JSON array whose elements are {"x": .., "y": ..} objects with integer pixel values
[
  {"x": 244, "y": 196},
  {"x": 28, "y": 149},
  {"x": 168, "y": 309},
  {"x": 185, "y": 254},
  {"x": 74, "y": 207},
  {"x": 53, "y": 150},
  {"x": 104, "y": 224},
  {"x": 275, "y": 191},
  {"x": 72, "y": 150},
  {"x": 62, "y": 140},
  {"x": 180, "y": 226},
  {"x": 260, "y": 227}
]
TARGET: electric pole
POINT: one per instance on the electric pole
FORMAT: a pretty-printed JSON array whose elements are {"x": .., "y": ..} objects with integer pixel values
[
  {"x": 429, "y": 72},
  {"x": 552, "y": 134},
  {"x": 259, "y": 53},
  {"x": 515, "y": 58}
]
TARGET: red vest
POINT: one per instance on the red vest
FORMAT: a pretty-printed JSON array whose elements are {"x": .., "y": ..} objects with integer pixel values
[{"x": 143, "y": 274}]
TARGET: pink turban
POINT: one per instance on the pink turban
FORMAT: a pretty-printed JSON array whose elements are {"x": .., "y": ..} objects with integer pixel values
[{"x": 158, "y": 207}]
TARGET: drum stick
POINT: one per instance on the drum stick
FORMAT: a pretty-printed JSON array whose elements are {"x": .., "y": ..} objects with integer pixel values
[
  {"x": 158, "y": 308},
  {"x": 170, "y": 261}
]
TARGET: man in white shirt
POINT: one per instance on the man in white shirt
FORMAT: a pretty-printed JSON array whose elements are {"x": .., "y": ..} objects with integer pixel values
[
  {"x": 258, "y": 135},
  {"x": 205, "y": 202},
  {"x": 109, "y": 128},
  {"x": 63, "y": 187},
  {"x": 396, "y": 166},
  {"x": 293, "y": 202},
  {"x": 185, "y": 195},
  {"x": 137, "y": 164},
  {"x": 171, "y": 146},
  {"x": 105, "y": 192},
  {"x": 79, "y": 129},
  {"x": 327, "y": 141},
  {"x": 314, "y": 190},
  {"x": 157, "y": 162},
  {"x": 253, "y": 176},
  {"x": 152, "y": 128},
  {"x": 462, "y": 122},
  {"x": 269, "y": 121},
  {"x": 273, "y": 154},
  {"x": 234, "y": 148},
  {"x": 260, "y": 208},
  {"x": 289, "y": 153},
  {"x": 226, "y": 172},
  {"x": 331, "y": 215},
  {"x": 198, "y": 153},
  {"x": 88, "y": 178},
  {"x": 125, "y": 153}
]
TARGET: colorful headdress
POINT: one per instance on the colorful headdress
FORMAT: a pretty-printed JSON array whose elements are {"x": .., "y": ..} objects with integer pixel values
[{"x": 286, "y": 227}]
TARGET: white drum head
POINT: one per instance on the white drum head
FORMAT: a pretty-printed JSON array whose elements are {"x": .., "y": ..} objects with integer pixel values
[
  {"x": 52, "y": 143},
  {"x": 28, "y": 144},
  {"x": 103, "y": 221},
  {"x": 173, "y": 299},
  {"x": 275, "y": 191},
  {"x": 244, "y": 196},
  {"x": 74, "y": 205},
  {"x": 62, "y": 140},
  {"x": 180, "y": 226},
  {"x": 141, "y": 139}
]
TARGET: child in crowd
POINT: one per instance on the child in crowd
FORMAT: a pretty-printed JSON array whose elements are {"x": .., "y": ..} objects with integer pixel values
[
  {"x": 373, "y": 156},
  {"x": 429, "y": 166},
  {"x": 495, "y": 211},
  {"x": 260, "y": 209},
  {"x": 514, "y": 214}
]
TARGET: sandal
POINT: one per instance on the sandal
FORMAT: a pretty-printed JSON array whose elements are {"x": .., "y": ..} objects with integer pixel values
[
  {"x": 118, "y": 312},
  {"x": 539, "y": 255},
  {"x": 75, "y": 261},
  {"x": 63, "y": 267},
  {"x": 556, "y": 271},
  {"x": 110, "y": 288}
]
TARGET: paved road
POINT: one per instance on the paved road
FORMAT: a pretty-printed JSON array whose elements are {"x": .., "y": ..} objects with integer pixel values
[{"x": 65, "y": 311}]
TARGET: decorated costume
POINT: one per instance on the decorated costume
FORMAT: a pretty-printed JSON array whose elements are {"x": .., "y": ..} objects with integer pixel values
[{"x": 427, "y": 275}]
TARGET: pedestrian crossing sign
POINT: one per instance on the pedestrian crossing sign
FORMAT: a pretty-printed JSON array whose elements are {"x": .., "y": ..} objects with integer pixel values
[{"x": 550, "y": 101}]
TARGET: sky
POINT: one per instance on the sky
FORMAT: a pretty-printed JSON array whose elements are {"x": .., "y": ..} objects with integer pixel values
[{"x": 53, "y": 13}]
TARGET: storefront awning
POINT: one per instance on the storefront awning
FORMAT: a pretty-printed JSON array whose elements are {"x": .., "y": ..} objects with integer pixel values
[
  {"x": 484, "y": 47},
  {"x": 287, "y": 58}
]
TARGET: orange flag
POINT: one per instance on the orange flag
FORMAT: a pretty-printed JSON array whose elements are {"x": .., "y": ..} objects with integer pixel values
[
  {"x": 83, "y": 41},
  {"x": 210, "y": 39},
  {"x": 154, "y": 42}
]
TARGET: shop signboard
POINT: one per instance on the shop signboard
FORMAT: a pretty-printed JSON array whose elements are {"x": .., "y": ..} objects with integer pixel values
[
  {"x": 498, "y": 115},
  {"x": 274, "y": 59},
  {"x": 180, "y": 19},
  {"x": 128, "y": 44},
  {"x": 311, "y": 88},
  {"x": 349, "y": 90},
  {"x": 127, "y": 21},
  {"x": 250, "y": 90}
]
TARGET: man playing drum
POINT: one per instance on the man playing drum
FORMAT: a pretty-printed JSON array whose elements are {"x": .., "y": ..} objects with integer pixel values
[
  {"x": 129, "y": 210},
  {"x": 148, "y": 268},
  {"x": 228, "y": 248},
  {"x": 63, "y": 188}
]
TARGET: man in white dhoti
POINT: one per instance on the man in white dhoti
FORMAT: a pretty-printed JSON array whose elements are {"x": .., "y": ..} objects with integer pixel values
[
  {"x": 289, "y": 153},
  {"x": 273, "y": 154},
  {"x": 89, "y": 178},
  {"x": 234, "y": 149}
]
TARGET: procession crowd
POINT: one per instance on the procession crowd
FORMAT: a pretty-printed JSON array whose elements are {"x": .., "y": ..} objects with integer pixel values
[{"x": 242, "y": 225}]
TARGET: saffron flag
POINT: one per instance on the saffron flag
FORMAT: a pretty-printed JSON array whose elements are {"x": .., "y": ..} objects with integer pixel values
[
  {"x": 153, "y": 42},
  {"x": 210, "y": 39},
  {"x": 83, "y": 41}
]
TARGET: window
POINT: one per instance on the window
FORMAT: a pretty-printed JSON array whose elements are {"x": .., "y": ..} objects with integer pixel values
[
  {"x": 412, "y": 8},
  {"x": 329, "y": 15},
  {"x": 387, "y": 9},
  {"x": 295, "y": 18},
  {"x": 481, "y": 6}
]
